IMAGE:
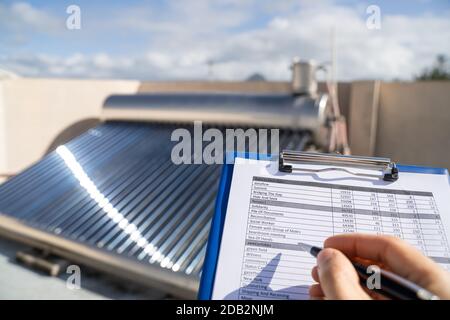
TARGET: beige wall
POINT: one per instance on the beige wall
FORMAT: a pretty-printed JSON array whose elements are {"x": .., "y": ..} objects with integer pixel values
[
  {"x": 407, "y": 122},
  {"x": 414, "y": 123},
  {"x": 34, "y": 111},
  {"x": 3, "y": 149},
  {"x": 218, "y": 86}
]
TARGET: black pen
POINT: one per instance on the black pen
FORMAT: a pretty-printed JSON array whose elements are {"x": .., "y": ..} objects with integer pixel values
[{"x": 391, "y": 285}]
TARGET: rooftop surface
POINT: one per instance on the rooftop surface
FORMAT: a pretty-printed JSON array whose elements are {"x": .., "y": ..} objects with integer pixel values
[{"x": 20, "y": 282}]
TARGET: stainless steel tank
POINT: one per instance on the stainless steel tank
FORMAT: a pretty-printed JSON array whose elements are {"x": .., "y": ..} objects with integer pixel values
[
  {"x": 282, "y": 111},
  {"x": 304, "y": 77}
]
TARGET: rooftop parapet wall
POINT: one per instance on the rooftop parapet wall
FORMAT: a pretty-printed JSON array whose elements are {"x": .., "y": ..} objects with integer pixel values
[
  {"x": 409, "y": 122},
  {"x": 33, "y": 112}
]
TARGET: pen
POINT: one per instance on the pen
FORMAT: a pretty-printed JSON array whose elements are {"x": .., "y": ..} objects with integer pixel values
[{"x": 392, "y": 286}]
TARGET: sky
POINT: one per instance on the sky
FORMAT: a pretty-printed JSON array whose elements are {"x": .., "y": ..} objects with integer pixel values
[{"x": 220, "y": 39}]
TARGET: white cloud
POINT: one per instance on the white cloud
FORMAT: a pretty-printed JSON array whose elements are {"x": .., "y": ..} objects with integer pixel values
[
  {"x": 180, "y": 41},
  {"x": 21, "y": 16},
  {"x": 279, "y": 23}
]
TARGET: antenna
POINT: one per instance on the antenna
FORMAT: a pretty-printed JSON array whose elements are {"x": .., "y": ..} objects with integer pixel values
[
  {"x": 210, "y": 69},
  {"x": 338, "y": 139},
  {"x": 333, "y": 58}
]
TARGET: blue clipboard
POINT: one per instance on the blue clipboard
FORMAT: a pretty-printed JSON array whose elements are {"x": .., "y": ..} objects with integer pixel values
[{"x": 215, "y": 234}]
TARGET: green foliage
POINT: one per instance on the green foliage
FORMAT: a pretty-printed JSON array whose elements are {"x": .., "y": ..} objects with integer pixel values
[{"x": 439, "y": 71}]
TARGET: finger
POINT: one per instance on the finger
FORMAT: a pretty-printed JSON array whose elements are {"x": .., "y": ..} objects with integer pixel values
[
  {"x": 338, "y": 277},
  {"x": 396, "y": 254},
  {"x": 315, "y": 274},
  {"x": 373, "y": 294},
  {"x": 315, "y": 291}
]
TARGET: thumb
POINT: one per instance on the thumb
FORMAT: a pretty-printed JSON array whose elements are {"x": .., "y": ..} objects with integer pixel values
[{"x": 338, "y": 277}]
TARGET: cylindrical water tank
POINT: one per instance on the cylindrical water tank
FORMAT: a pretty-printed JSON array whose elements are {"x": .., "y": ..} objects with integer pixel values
[{"x": 260, "y": 110}]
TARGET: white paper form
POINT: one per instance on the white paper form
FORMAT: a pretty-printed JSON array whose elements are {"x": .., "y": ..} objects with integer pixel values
[{"x": 270, "y": 212}]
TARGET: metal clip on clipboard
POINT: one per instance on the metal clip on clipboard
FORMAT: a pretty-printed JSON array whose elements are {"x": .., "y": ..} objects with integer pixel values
[{"x": 287, "y": 160}]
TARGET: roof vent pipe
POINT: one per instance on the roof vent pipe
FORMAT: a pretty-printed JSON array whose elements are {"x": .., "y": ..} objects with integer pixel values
[{"x": 304, "y": 77}]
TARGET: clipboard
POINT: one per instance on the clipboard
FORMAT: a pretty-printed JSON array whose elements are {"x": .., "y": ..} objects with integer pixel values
[{"x": 287, "y": 160}]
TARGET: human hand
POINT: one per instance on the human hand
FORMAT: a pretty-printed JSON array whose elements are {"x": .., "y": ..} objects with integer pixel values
[{"x": 338, "y": 279}]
